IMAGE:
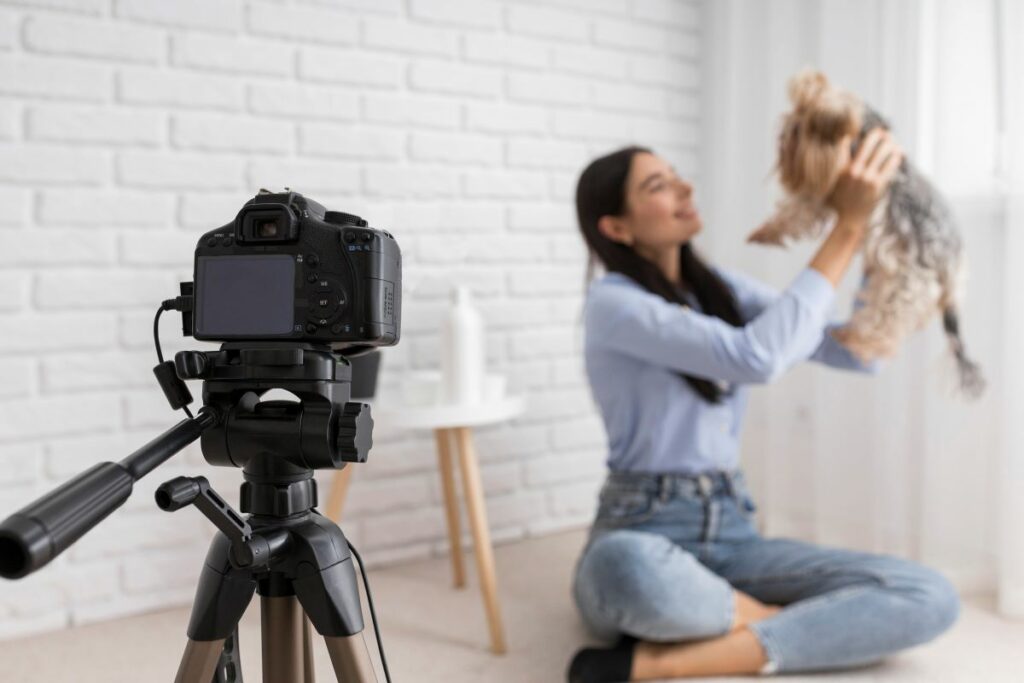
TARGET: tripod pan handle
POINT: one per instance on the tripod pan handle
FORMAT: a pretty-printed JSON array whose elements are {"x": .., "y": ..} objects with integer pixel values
[{"x": 45, "y": 528}]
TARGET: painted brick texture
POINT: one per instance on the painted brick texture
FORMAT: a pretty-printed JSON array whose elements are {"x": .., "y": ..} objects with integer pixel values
[{"x": 129, "y": 127}]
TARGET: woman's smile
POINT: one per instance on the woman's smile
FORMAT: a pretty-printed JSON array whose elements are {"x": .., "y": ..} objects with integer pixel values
[{"x": 686, "y": 212}]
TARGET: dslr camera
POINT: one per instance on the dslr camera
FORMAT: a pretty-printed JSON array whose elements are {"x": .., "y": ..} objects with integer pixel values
[{"x": 287, "y": 270}]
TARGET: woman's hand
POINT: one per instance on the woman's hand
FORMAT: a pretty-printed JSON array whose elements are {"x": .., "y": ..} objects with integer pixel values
[
  {"x": 854, "y": 197},
  {"x": 864, "y": 180}
]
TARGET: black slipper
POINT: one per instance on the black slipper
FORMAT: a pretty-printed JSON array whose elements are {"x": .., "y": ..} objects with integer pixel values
[{"x": 603, "y": 664}]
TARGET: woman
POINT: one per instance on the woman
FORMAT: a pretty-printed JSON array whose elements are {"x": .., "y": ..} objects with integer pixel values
[{"x": 674, "y": 565}]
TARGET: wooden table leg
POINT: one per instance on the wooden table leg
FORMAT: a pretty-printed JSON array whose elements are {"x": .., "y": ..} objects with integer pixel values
[
  {"x": 336, "y": 498},
  {"x": 481, "y": 536},
  {"x": 451, "y": 504}
]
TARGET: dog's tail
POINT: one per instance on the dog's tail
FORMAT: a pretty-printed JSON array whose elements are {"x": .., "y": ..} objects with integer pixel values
[{"x": 972, "y": 383}]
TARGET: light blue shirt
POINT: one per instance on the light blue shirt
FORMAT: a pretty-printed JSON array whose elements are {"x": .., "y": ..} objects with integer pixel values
[{"x": 636, "y": 343}]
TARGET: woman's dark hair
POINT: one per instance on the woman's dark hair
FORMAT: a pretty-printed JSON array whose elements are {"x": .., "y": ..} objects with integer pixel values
[{"x": 601, "y": 191}]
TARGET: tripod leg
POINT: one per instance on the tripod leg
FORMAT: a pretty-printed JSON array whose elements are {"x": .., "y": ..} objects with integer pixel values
[
  {"x": 351, "y": 659},
  {"x": 199, "y": 662},
  {"x": 282, "y": 639},
  {"x": 330, "y": 597},
  {"x": 307, "y": 652},
  {"x": 451, "y": 504},
  {"x": 221, "y": 598},
  {"x": 229, "y": 667}
]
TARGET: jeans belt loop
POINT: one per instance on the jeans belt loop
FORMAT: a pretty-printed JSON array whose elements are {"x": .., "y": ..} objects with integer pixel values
[
  {"x": 728, "y": 475},
  {"x": 664, "y": 484},
  {"x": 704, "y": 486}
]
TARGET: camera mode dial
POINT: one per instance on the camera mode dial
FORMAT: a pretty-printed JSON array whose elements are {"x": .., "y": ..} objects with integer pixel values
[{"x": 342, "y": 218}]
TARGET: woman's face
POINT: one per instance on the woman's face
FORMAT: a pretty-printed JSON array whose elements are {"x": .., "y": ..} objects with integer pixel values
[{"x": 660, "y": 213}]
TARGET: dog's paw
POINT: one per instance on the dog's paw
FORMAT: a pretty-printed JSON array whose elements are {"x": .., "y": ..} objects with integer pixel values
[
  {"x": 851, "y": 341},
  {"x": 769, "y": 233},
  {"x": 864, "y": 348}
]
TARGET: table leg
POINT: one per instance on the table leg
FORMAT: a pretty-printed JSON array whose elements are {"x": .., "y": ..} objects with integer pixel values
[
  {"x": 451, "y": 504},
  {"x": 336, "y": 498},
  {"x": 481, "y": 536}
]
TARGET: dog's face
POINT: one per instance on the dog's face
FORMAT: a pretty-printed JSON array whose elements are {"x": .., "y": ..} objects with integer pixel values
[{"x": 814, "y": 145}]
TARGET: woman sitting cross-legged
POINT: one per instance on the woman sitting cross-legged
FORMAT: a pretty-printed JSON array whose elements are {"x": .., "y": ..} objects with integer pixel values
[{"x": 674, "y": 568}]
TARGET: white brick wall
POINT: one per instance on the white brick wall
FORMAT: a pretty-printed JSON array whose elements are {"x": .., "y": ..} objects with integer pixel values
[{"x": 128, "y": 127}]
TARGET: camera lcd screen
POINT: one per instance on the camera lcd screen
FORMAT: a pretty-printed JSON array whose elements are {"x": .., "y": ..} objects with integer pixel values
[{"x": 245, "y": 296}]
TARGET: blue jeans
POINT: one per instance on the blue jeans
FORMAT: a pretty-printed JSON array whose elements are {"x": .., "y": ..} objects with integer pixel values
[{"x": 666, "y": 551}]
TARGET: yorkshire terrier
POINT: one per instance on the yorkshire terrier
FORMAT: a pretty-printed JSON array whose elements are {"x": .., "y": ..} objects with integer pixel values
[{"x": 913, "y": 256}]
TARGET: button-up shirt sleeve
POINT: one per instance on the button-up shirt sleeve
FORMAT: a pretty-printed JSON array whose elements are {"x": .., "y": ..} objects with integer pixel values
[
  {"x": 753, "y": 296},
  {"x": 622, "y": 316}
]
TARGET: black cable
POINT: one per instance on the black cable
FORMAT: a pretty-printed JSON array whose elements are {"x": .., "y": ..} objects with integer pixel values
[
  {"x": 156, "y": 340},
  {"x": 373, "y": 613},
  {"x": 156, "y": 334}
]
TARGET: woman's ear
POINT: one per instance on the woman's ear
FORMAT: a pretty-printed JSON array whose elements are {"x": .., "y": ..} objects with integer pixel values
[{"x": 615, "y": 230}]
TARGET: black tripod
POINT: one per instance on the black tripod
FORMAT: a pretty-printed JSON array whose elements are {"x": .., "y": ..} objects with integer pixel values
[
  {"x": 297, "y": 560},
  {"x": 298, "y": 563}
]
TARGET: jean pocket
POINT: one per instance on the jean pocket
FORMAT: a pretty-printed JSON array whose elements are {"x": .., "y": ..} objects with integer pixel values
[{"x": 625, "y": 506}]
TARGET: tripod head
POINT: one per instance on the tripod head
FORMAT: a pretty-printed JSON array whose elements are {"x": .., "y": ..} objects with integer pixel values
[
  {"x": 277, "y": 444},
  {"x": 323, "y": 430}
]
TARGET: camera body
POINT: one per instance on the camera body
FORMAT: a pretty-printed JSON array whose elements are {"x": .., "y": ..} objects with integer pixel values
[{"x": 288, "y": 270}]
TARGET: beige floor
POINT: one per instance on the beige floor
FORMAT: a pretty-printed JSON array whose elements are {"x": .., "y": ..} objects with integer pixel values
[{"x": 434, "y": 633}]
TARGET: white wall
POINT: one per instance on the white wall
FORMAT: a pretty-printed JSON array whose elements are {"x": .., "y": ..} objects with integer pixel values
[{"x": 129, "y": 127}]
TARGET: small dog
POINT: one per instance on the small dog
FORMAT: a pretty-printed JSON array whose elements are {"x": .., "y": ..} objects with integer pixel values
[{"x": 913, "y": 255}]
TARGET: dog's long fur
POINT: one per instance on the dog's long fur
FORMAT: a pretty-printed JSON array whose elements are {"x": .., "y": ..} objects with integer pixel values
[{"x": 913, "y": 255}]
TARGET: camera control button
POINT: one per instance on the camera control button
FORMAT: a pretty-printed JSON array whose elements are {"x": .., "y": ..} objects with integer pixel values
[
  {"x": 323, "y": 304},
  {"x": 366, "y": 237},
  {"x": 312, "y": 277},
  {"x": 350, "y": 237},
  {"x": 311, "y": 328},
  {"x": 211, "y": 241},
  {"x": 312, "y": 260}
]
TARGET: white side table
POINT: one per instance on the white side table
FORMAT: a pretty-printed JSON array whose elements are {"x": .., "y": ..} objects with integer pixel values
[{"x": 448, "y": 422}]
